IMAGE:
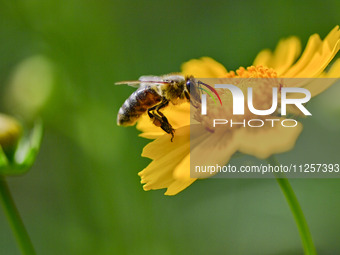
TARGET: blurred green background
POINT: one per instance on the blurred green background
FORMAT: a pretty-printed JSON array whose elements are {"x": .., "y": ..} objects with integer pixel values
[{"x": 83, "y": 195}]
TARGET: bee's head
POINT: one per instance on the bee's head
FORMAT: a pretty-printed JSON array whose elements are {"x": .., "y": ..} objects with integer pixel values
[{"x": 192, "y": 89}]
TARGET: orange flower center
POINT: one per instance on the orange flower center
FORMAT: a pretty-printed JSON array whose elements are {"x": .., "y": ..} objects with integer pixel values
[{"x": 253, "y": 72}]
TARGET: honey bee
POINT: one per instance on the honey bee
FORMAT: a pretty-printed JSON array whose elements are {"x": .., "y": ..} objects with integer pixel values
[{"x": 153, "y": 94}]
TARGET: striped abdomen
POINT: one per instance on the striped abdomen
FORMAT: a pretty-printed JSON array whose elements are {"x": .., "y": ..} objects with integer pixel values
[{"x": 137, "y": 104}]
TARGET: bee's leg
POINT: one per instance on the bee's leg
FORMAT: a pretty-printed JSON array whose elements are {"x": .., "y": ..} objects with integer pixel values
[
  {"x": 166, "y": 126},
  {"x": 159, "y": 119},
  {"x": 156, "y": 120}
]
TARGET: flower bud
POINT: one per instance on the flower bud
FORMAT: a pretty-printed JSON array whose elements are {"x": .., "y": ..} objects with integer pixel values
[{"x": 10, "y": 133}]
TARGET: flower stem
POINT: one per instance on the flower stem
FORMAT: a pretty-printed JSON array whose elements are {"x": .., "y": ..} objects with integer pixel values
[
  {"x": 295, "y": 207},
  {"x": 14, "y": 219}
]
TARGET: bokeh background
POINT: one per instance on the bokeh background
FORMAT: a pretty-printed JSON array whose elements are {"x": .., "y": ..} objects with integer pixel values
[{"x": 59, "y": 59}]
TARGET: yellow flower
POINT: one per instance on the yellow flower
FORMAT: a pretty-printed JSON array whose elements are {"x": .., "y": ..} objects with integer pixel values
[{"x": 170, "y": 166}]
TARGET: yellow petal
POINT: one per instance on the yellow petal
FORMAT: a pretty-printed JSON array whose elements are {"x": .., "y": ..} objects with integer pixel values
[
  {"x": 177, "y": 186},
  {"x": 177, "y": 115},
  {"x": 312, "y": 46},
  {"x": 213, "y": 149},
  {"x": 319, "y": 85},
  {"x": 334, "y": 72},
  {"x": 166, "y": 156},
  {"x": 263, "y": 58},
  {"x": 263, "y": 143},
  {"x": 316, "y": 85},
  {"x": 153, "y": 135},
  {"x": 162, "y": 146},
  {"x": 204, "y": 67},
  {"x": 283, "y": 57},
  {"x": 182, "y": 170},
  {"x": 323, "y": 56},
  {"x": 181, "y": 173},
  {"x": 198, "y": 135}
]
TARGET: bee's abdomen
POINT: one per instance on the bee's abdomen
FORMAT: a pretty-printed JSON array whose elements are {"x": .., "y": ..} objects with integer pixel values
[{"x": 137, "y": 104}]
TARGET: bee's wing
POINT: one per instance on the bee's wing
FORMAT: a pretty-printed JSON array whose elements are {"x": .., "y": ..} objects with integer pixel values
[
  {"x": 135, "y": 84},
  {"x": 151, "y": 78},
  {"x": 143, "y": 80}
]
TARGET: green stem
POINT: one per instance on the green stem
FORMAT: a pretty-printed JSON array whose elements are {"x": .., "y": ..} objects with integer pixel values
[
  {"x": 14, "y": 219},
  {"x": 295, "y": 207}
]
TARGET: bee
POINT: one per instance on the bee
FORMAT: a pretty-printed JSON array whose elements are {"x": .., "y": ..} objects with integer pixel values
[{"x": 153, "y": 94}]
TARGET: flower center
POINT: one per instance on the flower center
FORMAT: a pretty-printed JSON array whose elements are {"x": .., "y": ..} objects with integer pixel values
[{"x": 253, "y": 72}]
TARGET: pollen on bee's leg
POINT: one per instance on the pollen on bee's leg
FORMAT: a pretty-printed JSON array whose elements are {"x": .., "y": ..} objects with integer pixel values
[{"x": 157, "y": 122}]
